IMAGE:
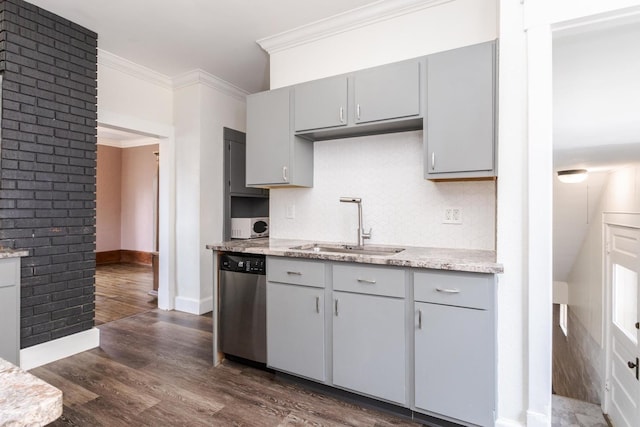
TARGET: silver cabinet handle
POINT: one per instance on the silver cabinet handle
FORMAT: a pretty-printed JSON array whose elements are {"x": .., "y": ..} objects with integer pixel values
[
  {"x": 371, "y": 282},
  {"x": 336, "y": 307},
  {"x": 419, "y": 319},
  {"x": 341, "y": 114},
  {"x": 284, "y": 174},
  {"x": 294, "y": 273},
  {"x": 358, "y": 111},
  {"x": 448, "y": 291},
  {"x": 317, "y": 304},
  {"x": 433, "y": 160}
]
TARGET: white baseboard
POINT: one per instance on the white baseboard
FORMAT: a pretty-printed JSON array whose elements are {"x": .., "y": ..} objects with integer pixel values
[
  {"x": 537, "y": 419},
  {"x": 41, "y": 354},
  {"x": 194, "y": 306},
  {"x": 505, "y": 422}
]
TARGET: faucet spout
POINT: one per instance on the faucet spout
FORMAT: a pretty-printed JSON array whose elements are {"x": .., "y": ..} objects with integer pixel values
[{"x": 361, "y": 233}]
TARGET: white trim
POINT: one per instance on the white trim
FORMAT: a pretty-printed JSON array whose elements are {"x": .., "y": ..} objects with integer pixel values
[
  {"x": 128, "y": 143},
  {"x": 202, "y": 77},
  {"x": 194, "y": 306},
  {"x": 123, "y": 65},
  {"x": 624, "y": 219},
  {"x": 536, "y": 419},
  {"x": 342, "y": 22},
  {"x": 504, "y": 422},
  {"x": 41, "y": 354}
]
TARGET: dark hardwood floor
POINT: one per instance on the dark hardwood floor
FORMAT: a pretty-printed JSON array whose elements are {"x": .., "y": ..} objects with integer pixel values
[
  {"x": 122, "y": 290},
  {"x": 155, "y": 369}
]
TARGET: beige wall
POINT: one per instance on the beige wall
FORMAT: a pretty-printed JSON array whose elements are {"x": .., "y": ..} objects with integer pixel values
[
  {"x": 138, "y": 174},
  {"x": 108, "y": 208},
  {"x": 124, "y": 210}
]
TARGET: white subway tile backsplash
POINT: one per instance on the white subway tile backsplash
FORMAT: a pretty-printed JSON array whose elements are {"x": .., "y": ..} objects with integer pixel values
[{"x": 399, "y": 205}]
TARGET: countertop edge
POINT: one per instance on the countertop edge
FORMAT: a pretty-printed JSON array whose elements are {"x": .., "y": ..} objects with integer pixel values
[{"x": 426, "y": 262}]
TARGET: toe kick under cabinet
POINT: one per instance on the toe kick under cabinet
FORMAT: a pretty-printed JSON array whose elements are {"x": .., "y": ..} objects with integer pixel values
[{"x": 418, "y": 338}]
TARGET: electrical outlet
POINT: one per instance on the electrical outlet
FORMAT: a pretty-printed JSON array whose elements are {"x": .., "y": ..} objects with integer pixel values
[
  {"x": 290, "y": 211},
  {"x": 452, "y": 216}
]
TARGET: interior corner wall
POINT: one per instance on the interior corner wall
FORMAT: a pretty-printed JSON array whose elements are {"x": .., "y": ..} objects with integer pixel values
[
  {"x": 201, "y": 113},
  {"x": 108, "y": 198},
  {"x": 137, "y": 191}
]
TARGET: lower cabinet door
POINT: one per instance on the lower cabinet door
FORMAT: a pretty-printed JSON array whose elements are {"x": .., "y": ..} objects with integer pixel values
[
  {"x": 295, "y": 329},
  {"x": 454, "y": 369},
  {"x": 369, "y": 345}
]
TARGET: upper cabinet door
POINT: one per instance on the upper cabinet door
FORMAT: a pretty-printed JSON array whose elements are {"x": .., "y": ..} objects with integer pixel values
[
  {"x": 268, "y": 138},
  {"x": 321, "y": 104},
  {"x": 460, "y": 116},
  {"x": 387, "y": 92}
]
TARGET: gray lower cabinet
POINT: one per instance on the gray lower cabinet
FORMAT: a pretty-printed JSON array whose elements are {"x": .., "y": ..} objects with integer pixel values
[
  {"x": 387, "y": 92},
  {"x": 295, "y": 330},
  {"x": 295, "y": 317},
  {"x": 275, "y": 157},
  {"x": 460, "y": 129},
  {"x": 454, "y": 346},
  {"x": 10, "y": 310},
  {"x": 321, "y": 103},
  {"x": 369, "y": 345}
]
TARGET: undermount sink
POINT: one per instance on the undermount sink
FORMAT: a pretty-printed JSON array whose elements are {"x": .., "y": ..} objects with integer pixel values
[{"x": 349, "y": 249}]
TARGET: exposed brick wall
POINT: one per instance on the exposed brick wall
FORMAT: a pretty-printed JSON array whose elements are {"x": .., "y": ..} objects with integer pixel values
[{"x": 47, "y": 166}]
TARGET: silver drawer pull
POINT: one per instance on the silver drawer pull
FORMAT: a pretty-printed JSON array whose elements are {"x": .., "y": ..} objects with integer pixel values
[
  {"x": 341, "y": 114},
  {"x": 317, "y": 304},
  {"x": 419, "y": 319},
  {"x": 369, "y": 281},
  {"x": 336, "y": 307},
  {"x": 294, "y": 273},
  {"x": 448, "y": 291}
]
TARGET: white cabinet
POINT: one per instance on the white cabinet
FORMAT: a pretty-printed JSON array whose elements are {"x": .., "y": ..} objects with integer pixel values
[
  {"x": 454, "y": 346},
  {"x": 10, "y": 309},
  {"x": 369, "y": 345},
  {"x": 295, "y": 317},
  {"x": 369, "y": 331}
]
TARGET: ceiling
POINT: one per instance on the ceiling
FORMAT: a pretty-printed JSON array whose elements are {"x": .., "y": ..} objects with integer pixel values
[
  {"x": 217, "y": 36},
  {"x": 596, "y": 124}
]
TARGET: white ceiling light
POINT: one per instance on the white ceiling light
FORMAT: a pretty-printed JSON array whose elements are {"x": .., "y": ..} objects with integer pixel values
[{"x": 572, "y": 176}]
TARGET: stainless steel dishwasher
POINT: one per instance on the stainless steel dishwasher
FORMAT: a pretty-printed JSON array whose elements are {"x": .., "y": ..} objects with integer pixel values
[{"x": 243, "y": 319}]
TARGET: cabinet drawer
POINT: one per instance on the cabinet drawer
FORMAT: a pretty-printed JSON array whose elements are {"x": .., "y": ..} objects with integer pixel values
[
  {"x": 369, "y": 280},
  {"x": 454, "y": 288},
  {"x": 287, "y": 270},
  {"x": 8, "y": 272}
]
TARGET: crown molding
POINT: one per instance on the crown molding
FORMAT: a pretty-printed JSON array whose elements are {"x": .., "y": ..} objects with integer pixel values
[
  {"x": 347, "y": 21},
  {"x": 116, "y": 62},
  {"x": 202, "y": 77}
]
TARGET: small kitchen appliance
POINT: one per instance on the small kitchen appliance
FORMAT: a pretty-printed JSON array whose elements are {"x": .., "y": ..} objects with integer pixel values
[{"x": 249, "y": 228}]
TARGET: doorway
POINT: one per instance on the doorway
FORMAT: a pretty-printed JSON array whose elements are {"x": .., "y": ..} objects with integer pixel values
[
  {"x": 126, "y": 224},
  {"x": 623, "y": 351}
]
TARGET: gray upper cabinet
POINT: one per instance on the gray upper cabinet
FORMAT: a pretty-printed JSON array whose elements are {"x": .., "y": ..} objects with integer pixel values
[
  {"x": 275, "y": 157},
  {"x": 387, "y": 92},
  {"x": 321, "y": 104},
  {"x": 460, "y": 113}
]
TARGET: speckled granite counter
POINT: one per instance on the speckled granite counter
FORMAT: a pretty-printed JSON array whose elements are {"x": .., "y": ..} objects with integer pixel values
[
  {"x": 477, "y": 261},
  {"x": 12, "y": 253},
  {"x": 26, "y": 400}
]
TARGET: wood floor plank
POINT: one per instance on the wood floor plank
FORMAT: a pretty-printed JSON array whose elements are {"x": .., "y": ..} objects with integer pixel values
[{"x": 154, "y": 368}]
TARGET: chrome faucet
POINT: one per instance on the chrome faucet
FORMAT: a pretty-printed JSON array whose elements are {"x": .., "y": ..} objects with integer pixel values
[{"x": 361, "y": 233}]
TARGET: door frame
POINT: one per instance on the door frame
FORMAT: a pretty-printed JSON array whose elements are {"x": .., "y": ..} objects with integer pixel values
[{"x": 621, "y": 219}]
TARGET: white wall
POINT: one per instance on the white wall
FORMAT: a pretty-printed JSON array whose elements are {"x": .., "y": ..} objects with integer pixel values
[
  {"x": 401, "y": 207},
  {"x": 201, "y": 113},
  {"x": 442, "y": 27}
]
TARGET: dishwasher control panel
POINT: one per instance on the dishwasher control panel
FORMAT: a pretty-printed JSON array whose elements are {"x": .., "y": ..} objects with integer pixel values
[{"x": 242, "y": 263}]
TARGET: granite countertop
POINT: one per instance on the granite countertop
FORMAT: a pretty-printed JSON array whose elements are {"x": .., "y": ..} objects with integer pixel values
[
  {"x": 472, "y": 260},
  {"x": 26, "y": 400},
  {"x": 12, "y": 253}
]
